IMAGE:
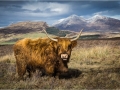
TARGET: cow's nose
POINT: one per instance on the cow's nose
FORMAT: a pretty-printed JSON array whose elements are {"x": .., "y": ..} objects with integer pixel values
[{"x": 64, "y": 56}]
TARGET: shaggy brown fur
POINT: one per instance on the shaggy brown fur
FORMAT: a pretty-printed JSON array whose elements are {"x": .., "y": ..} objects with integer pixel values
[{"x": 42, "y": 53}]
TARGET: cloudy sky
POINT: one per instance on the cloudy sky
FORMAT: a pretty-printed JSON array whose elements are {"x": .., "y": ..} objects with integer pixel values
[{"x": 12, "y": 11}]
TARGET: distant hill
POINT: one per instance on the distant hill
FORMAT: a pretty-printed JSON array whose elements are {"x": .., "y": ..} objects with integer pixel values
[
  {"x": 29, "y": 27},
  {"x": 56, "y": 31},
  {"x": 23, "y": 27},
  {"x": 17, "y": 31},
  {"x": 97, "y": 23}
]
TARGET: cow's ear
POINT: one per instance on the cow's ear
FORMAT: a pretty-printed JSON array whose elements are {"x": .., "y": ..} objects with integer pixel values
[{"x": 74, "y": 43}]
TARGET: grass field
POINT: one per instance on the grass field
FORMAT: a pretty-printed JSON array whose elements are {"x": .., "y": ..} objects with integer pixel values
[
  {"x": 94, "y": 64},
  {"x": 53, "y": 32},
  {"x": 12, "y": 38}
]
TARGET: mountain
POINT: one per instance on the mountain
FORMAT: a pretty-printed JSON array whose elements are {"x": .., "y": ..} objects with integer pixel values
[
  {"x": 70, "y": 23},
  {"x": 23, "y": 27},
  {"x": 96, "y": 23}
]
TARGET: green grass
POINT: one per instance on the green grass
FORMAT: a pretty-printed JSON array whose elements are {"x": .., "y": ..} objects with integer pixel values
[{"x": 13, "y": 38}]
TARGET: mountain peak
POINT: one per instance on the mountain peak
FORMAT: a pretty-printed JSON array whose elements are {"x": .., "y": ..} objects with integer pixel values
[
  {"x": 76, "y": 17},
  {"x": 96, "y": 17},
  {"x": 73, "y": 16},
  {"x": 73, "y": 19},
  {"x": 99, "y": 16}
]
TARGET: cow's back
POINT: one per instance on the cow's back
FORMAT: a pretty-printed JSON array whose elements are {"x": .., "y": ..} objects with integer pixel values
[{"x": 31, "y": 49}]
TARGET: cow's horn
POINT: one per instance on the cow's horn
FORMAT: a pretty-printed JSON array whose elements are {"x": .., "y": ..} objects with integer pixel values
[
  {"x": 49, "y": 37},
  {"x": 77, "y": 36}
]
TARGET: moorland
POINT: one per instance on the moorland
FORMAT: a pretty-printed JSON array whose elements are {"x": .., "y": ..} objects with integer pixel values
[{"x": 94, "y": 64}]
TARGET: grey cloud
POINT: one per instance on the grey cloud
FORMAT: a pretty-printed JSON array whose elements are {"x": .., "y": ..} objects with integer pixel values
[
  {"x": 12, "y": 11},
  {"x": 90, "y": 7}
]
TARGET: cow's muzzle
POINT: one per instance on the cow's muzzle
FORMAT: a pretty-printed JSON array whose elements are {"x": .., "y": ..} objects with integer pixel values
[{"x": 64, "y": 56}]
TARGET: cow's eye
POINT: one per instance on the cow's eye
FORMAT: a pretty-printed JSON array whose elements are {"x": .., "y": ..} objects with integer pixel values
[
  {"x": 57, "y": 62},
  {"x": 59, "y": 47}
]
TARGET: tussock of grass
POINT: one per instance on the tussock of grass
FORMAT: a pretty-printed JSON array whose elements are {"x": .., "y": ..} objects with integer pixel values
[{"x": 8, "y": 58}]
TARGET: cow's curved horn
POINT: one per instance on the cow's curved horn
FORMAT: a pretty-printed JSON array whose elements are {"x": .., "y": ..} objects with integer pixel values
[
  {"x": 49, "y": 37},
  {"x": 77, "y": 36}
]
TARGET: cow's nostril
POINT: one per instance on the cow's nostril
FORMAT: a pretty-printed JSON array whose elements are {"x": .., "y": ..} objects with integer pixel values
[{"x": 64, "y": 55}]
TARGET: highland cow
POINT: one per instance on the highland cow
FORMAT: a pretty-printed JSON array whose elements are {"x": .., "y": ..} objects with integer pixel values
[{"x": 50, "y": 54}]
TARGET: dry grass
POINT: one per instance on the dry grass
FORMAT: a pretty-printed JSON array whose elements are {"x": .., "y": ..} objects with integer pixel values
[
  {"x": 94, "y": 64},
  {"x": 97, "y": 54},
  {"x": 8, "y": 58}
]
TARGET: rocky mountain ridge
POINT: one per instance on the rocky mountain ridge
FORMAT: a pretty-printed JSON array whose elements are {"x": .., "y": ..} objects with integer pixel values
[{"x": 96, "y": 23}]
